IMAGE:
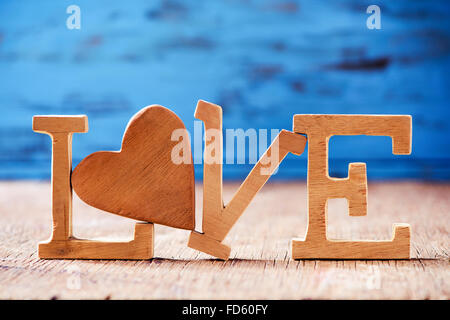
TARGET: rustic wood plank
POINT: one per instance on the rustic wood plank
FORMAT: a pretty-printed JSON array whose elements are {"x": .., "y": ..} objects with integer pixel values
[{"x": 260, "y": 265}]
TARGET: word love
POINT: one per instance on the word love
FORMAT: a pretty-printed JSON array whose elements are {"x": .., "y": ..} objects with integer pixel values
[{"x": 143, "y": 182}]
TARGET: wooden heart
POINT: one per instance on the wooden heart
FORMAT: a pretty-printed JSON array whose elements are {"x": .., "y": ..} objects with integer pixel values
[{"x": 141, "y": 181}]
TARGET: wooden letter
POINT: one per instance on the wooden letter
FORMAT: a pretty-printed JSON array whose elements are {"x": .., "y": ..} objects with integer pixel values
[
  {"x": 321, "y": 187},
  {"x": 217, "y": 218},
  {"x": 62, "y": 244}
]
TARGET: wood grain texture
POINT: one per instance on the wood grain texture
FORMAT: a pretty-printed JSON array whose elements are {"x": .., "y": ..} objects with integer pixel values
[
  {"x": 141, "y": 181},
  {"x": 313, "y": 63},
  {"x": 260, "y": 264},
  {"x": 138, "y": 248},
  {"x": 218, "y": 219},
  {"x": 60, "y": 129},
  {"x": 62, "y": 244},
  {"x": 322, "y": 187}
]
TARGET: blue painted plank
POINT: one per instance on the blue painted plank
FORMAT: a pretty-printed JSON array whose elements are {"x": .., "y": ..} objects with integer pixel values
[{"x": 263, "y": 61}]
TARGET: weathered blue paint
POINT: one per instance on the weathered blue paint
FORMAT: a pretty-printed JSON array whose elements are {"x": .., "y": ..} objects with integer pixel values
[{"x": 263, "y": 61}]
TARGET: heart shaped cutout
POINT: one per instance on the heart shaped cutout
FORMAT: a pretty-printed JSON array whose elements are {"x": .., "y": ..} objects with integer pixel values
[{"x": 141, "y": 181}]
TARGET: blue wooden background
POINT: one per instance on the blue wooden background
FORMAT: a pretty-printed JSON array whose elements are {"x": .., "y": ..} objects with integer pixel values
[{"x": 262, "y": 61}]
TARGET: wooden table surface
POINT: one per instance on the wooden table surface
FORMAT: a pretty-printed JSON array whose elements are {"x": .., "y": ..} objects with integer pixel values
[{"x": 260, "y": 266}]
